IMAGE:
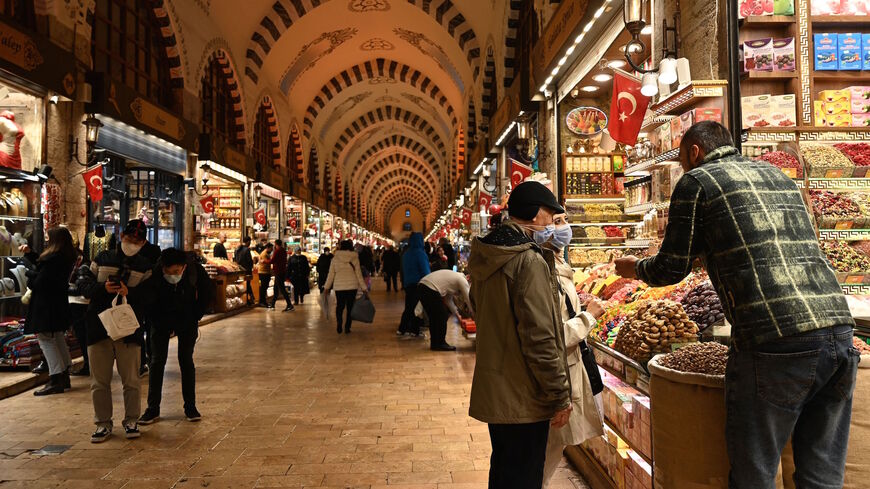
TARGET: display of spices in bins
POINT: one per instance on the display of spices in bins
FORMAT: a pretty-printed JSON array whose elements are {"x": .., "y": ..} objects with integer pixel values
[
  {"x": 824, "y": 161},
  {"x": 859, "y": 154},
  {"x": 845, "y": 259},
  {"x": 785, "y": 162},
  {"x": 835, "y": 210}
]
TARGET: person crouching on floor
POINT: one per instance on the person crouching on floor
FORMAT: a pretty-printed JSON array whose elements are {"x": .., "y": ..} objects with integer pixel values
[{"x": 181, "y": 290}]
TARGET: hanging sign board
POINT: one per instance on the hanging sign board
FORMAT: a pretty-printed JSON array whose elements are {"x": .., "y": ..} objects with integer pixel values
[{"x": 37, "y": 60}]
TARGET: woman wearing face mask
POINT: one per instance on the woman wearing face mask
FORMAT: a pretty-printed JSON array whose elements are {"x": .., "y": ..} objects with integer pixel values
[
  {"x": 585, "y": 420},
  {"x": 181, "y": 288}
]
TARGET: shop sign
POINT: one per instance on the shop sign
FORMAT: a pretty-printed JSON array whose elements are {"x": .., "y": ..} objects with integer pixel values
[
  {"x": 37, "y": 60},
  {"x": 562, "y": 28},
  {"x": 502, "y": 117},
  {"x": 237, "y": 160},
  {"x": 156, "y": 118},
  {"x": 274, "y": 178}
]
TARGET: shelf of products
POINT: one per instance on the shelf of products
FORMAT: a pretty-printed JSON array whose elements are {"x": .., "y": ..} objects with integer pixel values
[
  {"x": 648, "y": 164},
  {"x": 227, "y": 219}
]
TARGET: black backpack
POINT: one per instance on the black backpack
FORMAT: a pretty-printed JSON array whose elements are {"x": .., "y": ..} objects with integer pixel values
[{"x": 205, "y": 287}]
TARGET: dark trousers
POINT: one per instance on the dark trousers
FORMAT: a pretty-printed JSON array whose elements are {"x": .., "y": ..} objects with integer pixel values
[
  {"x": 159, "y": 339},
  {"x": 344, "y": 299},
  {"x": 410, "y": 323},
  {"x": 280, "y": 287},
  {"x": 437, "y": 312},
  {"x": 249, "y": 291},
  {"x": 800, "y": 387},
  {"x": 518, "y": 454},
  {"x": 388, "y": 277},
  {"x": 80, "y": 328},
  {"x": 264, "y": 288}
]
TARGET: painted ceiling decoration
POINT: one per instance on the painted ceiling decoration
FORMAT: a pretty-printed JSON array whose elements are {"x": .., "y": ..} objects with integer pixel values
[
  {"x": 313, "y": 52},
  {"x": 369, "y": 6},
  {"x": 377, "y": 44},
  {"x": 344, "y": 107},
  {"x": 387, "y": 114},
  {"x": 431, "y": 49},
  {"x": 371, "y": 70}
]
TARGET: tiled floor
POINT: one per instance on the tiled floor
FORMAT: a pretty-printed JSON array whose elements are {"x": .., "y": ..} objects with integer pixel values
[{"x": 286, "y": 403}]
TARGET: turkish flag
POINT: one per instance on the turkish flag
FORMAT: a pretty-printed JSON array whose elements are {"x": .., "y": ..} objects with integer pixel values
[
  {"x": 485, "y": 200},
  {"x": 94, "y": 182},
  {"x": 627, "y": 109},
  {"x": 519, "y": 172},
  {"x": 260, "y": 216},
  {"x": 466, "y": 217},
  {"x": 455, "y": 223},
  {"x": 207, "y": 204},
  {"x": 294, "y": 224}
]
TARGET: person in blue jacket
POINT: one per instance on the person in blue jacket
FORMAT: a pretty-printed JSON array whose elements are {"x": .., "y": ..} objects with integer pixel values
[{"x": 415, "y": 266}]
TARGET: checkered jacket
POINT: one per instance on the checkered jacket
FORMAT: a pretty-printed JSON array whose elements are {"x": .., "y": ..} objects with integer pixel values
[{"x": 747, "y": 222}]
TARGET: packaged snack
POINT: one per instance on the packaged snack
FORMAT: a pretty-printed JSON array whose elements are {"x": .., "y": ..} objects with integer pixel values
[
  {"x": 839, "y": 120},
  {"x": 860, "y": 100},
  {"x": 782, "y": 110},
  {"x": 687, "y": 120},
  {"x": 838, "y": 107},
  {"x": 825, "y": 7},
  {"x": 849, "y": 51},
  {"x": 746, "y": 8},
  {"x": 756, "y": 111},
  {"x": 835, "y": 95},
  {"x": 819, "y": 113},
  {"x": 711, "y": 114},
  {"x": 676, "y": 132},
  {"x": 758, "y": 55},
  {"x": 783, "y": 54},
  {"x": 854, "y": 7},
  {"x": 825, "y": 51},
  {"x": 665, "y": 137},
  {"x": 861, "y": 120},
  {"x": 865, "y": 51},
  {"x": 783, "y": 7}
]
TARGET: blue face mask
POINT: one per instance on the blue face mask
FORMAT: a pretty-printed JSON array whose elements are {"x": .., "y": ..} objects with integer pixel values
[
  {"x": 545, "y": 234},
  {"x": 562, "y": 237}
]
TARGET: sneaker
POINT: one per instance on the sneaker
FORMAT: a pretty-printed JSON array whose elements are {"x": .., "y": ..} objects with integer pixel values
[
  {"x": 192, "y": 414},
  {"x": 102, "y": 434},
  {"x": 418, "y": 335},
  {"x": 289, "y": 308},
  {"x": 143, "y": 370},
  {"x": 132, "y": 431},
  {"x": 399, "y": 333},
  {"x": 444, "y": 347},
  {"x": 150, "y": 416}
]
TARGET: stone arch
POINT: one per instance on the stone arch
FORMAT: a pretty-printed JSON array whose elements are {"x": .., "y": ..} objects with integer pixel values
[
  {"x": 312, "y": 173},
  {"x": 295, "y": 160},
  {"x": 472, "y": 123},
  {"x": 399, "y": 141},
  {"x": 376, "y": 167},
  {"x": 510, "y": 41},
  {"x": 266, "y": 115},
  {"x": 490, "y": 91},
  {"x": 222, "y": 57},
  {"x": 386, "y": 114}
]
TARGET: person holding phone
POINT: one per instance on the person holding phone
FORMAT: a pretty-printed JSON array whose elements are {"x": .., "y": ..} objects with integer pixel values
[{"x": 114, "y": 273}]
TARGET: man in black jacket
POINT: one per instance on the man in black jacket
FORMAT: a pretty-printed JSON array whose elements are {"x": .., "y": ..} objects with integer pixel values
[
  {"x": 243, "y": 257},
  {"x": 392, "y": 262},
  {"x": 182, "y": 288},
  {"x": 114, "y": 273},
  {"x": 322, "y": 266}
]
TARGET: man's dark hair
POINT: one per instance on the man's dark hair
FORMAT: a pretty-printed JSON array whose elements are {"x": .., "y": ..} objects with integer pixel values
[
  {"x": 346, "y": 245},
  {"x": 172, "y": 256},
  {"x": 326, "y": 249},
  {"x": 246, "y": 240},
  {"x": 707, "y": 135},
  {"x": 278, "y": 243},
  {"x": 269, "y": 245}
]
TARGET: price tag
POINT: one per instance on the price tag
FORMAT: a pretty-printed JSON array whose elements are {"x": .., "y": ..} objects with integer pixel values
[
  {"x": 791, "y": 172},
  {"x": 611, "y": 278},
  {"x": 598, "y": 288},
  {"x": 855, "y": 279},
  {"x": 835, "y": 173},
  {"x": 844, "y": 225}
]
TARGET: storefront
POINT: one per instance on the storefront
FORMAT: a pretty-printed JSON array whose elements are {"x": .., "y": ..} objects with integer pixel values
[
  {"x": 312, "y": 235},
  {"x": 294, "y": 220},
  {"x": 224, "y": 190},
  {"x": 328, "y": 238}
]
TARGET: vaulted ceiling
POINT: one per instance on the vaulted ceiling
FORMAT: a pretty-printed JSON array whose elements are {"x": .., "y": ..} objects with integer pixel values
[{"x": 380, "y": 89}]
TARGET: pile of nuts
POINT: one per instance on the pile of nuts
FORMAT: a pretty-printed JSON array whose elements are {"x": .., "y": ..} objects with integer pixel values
[
  {"x": 653, "y": 327},
  {"x": 702, "y": 305},
  {"x": 821, "y": 157},
  {"x": 781, "y": 159},
  {"x": 698, "y": 358},
  {"x": 845, "y": 258},
  {"x": 859, "y": 153}
]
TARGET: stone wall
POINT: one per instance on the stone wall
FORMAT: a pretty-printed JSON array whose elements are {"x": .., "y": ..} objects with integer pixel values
[{"x": 62, "y": 121}]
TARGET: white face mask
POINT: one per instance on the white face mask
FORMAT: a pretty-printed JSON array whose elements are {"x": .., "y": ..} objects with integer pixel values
[
  {"x": 173, "y": 279},
  {"x": 131, "y": 249}
]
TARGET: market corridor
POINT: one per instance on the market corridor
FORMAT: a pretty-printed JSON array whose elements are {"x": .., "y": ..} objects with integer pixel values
[{"x": 286, "y": 403}]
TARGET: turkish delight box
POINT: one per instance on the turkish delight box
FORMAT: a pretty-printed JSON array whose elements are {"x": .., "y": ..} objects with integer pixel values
[
  {"x": 758, "y": 55},
  {"x": 865, "y": 51},
  {"x": 861, "y": 120},
  {"x": 746, "y": 8},
  {"x": 783, "y": 112},
  {"x": 756, "y": 111},
  {"x": 676, "y": 132},
  {"x": 835, "y": 95},
  {"x": 819, "y": 113},
  {"x": 860, "y": 97},
  {"x": 838, "y": 107},
  {"x": 783, "y": 54},
  {"x": 839, "y": 120},
  {"x": 825, "y": 52},
  {"x": 825, "y": 7},
  {"x": 707, "y": 114},
  {"x": 849, "y": 51}
]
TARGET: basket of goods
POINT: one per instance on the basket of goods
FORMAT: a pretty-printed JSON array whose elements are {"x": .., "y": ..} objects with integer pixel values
[
  {"x": 612, "y": 212},
  {"x": 833, "y": 210},
  {"x": 825, "y": 161},
  {"x": 595, "y": 234},
  {"x": 859, "y": 153},
  {"x": 785, "y": 162},
  {"x": 845, "y": 259},
  {"x": 703, "y": 306},
  {"x": 654, "y": 328}
]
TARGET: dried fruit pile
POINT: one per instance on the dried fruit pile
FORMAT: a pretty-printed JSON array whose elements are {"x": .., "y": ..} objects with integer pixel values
[
  {"x": 781, "y": 159},
  {"x": 653, "y": 328},
  {"x": 845, "y": 258},
  {"x": 613, "y": 232},
  {"x": 702, "y": 305},
  {"x": 833, "y": 204},
  {"x": 859, "y": 153},
  {"x": 698, "y": 358},
  {"x": 820, "y": 158}
]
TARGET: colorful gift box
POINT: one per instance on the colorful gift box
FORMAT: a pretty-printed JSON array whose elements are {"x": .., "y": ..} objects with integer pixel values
[
  {"x": 825, "y": 52},
  {"x": 849, "y": 51}
]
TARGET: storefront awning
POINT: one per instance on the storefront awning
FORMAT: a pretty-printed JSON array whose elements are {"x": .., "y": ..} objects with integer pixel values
[{"x": 129, "y": 142}]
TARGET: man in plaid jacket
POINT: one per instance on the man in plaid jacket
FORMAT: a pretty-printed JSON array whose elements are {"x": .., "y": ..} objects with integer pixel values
[{"x": 791, "y": 368}]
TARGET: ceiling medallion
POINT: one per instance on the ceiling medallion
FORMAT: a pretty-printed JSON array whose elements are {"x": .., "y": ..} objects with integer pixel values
[
  {"x": 368, "y": 5},
  {"x": 379, "y": 80},
  {"x": 377, "y": 44}
]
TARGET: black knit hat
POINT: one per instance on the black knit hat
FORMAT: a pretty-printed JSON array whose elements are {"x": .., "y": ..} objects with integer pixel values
[
  {"x": 528, "y": 197},
  {"x": 136, "y": 228}
]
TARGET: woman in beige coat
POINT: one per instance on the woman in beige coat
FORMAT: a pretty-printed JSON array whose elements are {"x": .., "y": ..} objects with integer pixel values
[{"x": 585, "y": 421}]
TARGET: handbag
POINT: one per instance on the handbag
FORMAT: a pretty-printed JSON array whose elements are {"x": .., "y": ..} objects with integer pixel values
[
  {"x": 587, "y": 357},
  {"x": 363, "y": 310},
  {"x": 119, "y": 320}
]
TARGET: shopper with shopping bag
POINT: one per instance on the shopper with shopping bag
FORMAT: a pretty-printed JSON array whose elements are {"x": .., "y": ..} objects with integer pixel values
[
  {"x": 346, "y": 279},
  {"x": 114, "y": 273},
  {"x": 438, "y": 293}
]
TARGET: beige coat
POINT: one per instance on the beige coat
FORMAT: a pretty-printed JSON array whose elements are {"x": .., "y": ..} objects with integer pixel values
[
  {"x": 344, "y": 272},
  {"x": 585, "y": 421}
]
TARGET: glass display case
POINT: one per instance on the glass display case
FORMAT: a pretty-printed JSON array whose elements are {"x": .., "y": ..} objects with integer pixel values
[{"x": 155, "y": 197}]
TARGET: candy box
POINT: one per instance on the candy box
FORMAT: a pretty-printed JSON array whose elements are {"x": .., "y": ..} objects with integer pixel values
[
  {"x": 838, "y": 107},
  {"x": 825, "y": 7},
  {"x": 839, "y": 120},
  {"x": 758, "y": 55},
  {"x": 746, "y": 8},
  {"x": 782, "y": 110},
  {"x": 825, "y": 52},
  {"x": 783, "y": 54},
  {"x": 676, "y": 132},
  {"x": 687, "y": 120},
  {"x": 849, "y": 51},
  {"x": 665, "y": 138},
  {"x": 855, "y": 7},
  {"x": 783, "y": 7},
  {"x": 865, "y": 51},
  {"x": 835, "y": 95},
  {"x": 860, "y": 97},
  {"x": 756, "y": 111},
  {"x": 819, "y": 113},
  {"x": 861, "y": 120},
  {"x": 710, "y": 114}
]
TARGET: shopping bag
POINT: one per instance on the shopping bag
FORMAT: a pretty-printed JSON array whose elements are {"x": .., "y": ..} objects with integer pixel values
[
  {"x": 363, "y": 310},
  {"x": 324, "y": 303},
  {"x": 418, "y": 310},
  {"x": 119, "y": 320}
]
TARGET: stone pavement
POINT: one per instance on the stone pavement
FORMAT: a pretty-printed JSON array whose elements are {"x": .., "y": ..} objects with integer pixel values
[{"x": 286, "y": 402}]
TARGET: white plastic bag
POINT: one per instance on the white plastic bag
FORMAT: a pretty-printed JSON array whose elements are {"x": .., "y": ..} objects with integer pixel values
[
  {"x": 418, "y": 311},
  {"x": 119, "y": 320}
]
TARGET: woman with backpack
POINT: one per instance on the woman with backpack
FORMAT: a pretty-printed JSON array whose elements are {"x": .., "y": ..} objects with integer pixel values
[{"x": 346, "y": 278}]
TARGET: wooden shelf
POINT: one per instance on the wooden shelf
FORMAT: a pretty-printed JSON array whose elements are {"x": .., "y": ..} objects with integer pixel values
[
  {"x": 688, "y": 96},
  {"x": 840, "y": 20},
  {"x": 769, "y": 19},
  {"x": 596, "y": 475},
  {"x": 769, "y": 75},
  {"x": 841, "y": 75}
]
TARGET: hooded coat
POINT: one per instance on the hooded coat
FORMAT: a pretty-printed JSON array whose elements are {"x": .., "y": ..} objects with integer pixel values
[
  {"x": 521, "y": 373},
  {"x": 415, "y": 263}
]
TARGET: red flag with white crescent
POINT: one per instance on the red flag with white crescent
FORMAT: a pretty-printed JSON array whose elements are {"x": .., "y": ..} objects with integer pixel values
[
  {"x": 466, "y": 217},
  {"x": 485, "y": 200},
  {"x": 94, "y": 182},
  {"x": 260, "y": 216},
  {"x": 627, "y": 109},
  {"x": 207, "y": 204},
  {"x": 519, "y": 172},
  {"x": 455, "y": 223},
  {"x": 295, "y": 224}
]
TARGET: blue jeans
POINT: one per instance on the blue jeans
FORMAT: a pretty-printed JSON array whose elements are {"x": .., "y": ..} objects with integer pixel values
[{"x": 799, "y": 386}]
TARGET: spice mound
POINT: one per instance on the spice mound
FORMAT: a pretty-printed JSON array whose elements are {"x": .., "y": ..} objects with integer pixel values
[{"x": 698, "y": 358}]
